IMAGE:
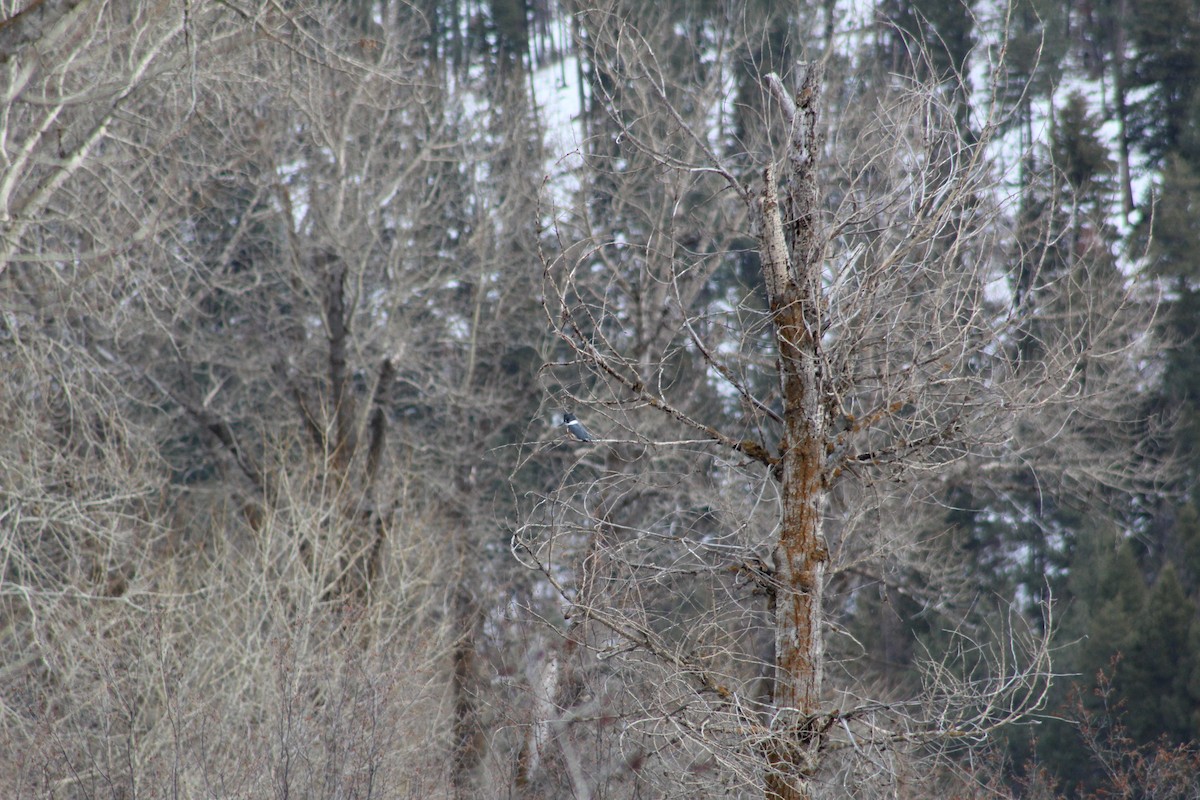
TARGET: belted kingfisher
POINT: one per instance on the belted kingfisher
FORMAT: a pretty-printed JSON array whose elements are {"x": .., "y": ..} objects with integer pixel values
[{"x": 576, "y": 428}]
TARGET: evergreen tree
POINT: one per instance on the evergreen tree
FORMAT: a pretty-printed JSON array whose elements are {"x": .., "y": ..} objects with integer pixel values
[
  {"x": 1152, "y": 681},
  {"x": 1080, "y": 157},
  {"x": 1107, "y": 595},
  {"x": 1034, "y": 62},
  {"x": 1175, "y": 257},
  {"x": 943, "y": 28},
  {"x": 1165, "y": 36},
  {"x": 932, "y": 39}
]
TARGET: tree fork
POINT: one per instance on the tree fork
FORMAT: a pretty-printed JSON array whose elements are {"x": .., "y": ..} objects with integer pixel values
[{"x": 792, "y": 255}]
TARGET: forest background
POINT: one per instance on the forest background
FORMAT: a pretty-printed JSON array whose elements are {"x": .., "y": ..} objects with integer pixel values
[{"x": 293, "y": 295}]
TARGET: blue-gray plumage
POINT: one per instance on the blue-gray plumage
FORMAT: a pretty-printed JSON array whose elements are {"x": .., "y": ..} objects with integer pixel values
[{"x": 576, "y": 427}]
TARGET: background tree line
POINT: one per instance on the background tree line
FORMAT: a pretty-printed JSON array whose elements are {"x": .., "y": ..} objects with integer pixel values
[{"x": 293, "y": 293}]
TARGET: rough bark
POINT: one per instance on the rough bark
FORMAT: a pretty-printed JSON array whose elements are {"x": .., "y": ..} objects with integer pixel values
[{"x": 792, "y": 253}]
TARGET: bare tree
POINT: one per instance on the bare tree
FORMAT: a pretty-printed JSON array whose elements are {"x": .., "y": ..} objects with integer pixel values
[
  {"x": 770, "y": 447},
  {"x": 269, "y": 343},
  {"x": 268, "y": 291}
]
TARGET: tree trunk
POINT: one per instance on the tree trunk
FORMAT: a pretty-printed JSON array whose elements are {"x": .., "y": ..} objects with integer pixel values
[
  {"x": 792, "y": 258},
  {"x": 1124, "y": 176},
  {"x": 468, "y": 743}
]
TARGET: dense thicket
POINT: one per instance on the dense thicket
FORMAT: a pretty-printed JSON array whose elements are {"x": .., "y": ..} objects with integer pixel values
[{"x": 293, "y": 296}]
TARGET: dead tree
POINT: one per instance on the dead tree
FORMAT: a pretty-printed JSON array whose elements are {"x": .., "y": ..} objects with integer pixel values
[
  {"x": 792, "y": 259},
  {"x": 883, "y": 367}
]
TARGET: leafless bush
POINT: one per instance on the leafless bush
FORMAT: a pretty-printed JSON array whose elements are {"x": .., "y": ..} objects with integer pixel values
[{"x": 256, "y": 267}]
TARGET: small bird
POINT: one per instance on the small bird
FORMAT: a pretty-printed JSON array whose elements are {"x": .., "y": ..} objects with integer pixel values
[{"x": 576, "y": 428}]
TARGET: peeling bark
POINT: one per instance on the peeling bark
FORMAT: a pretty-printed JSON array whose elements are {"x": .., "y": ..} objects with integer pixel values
[{"x": 792, "y": 254}]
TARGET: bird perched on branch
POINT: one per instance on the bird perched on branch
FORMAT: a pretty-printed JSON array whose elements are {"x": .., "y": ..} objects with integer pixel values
[{"x": 575, "y": 427}]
